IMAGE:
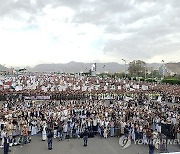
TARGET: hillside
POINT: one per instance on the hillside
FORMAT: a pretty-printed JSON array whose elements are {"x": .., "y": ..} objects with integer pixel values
[
  {"x": 3, "y": 68},
  {"x": 78, "y": 67},
  {"x": 174, "y": 67}
]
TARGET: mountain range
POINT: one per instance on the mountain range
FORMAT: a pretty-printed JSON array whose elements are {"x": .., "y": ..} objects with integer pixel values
[
  {"x": 110, "y": 67},
  {"x": 79, "y": 67}
]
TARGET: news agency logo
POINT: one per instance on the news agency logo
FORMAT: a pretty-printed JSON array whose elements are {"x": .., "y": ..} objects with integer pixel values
[
  {"x": 158, "y": 142},
  {"x": 125, "y": 142}
]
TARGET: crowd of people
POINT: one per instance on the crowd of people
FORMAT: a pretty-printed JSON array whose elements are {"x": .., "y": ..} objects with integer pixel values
[
  {"x": 73, "y": 105},
  {"x": 71, "y": 87}
]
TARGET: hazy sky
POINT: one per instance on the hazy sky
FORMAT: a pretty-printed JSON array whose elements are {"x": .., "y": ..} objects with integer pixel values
[{"x": 59, "y": 31}]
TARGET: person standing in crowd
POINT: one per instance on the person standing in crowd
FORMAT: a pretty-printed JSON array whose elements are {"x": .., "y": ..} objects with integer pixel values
[
  {"x": 60, "y": 131},
  {"x": 24, "y": 139},
  {"x": 95, "y": 126},
  {"x": 112, "y": 129},
  {"x": 151, "y": 144},
  {"x": 3, "y": 134},
  {"x": 85, "y": 137},
  {"x": 50, "y": 137},
  {"x": 6, "y": 144},
  {"x": 68, "y": 131},
  {"x": 65, "y": 128},
  {"x": 44, "y": 129},
  {"x": 105, "y": 132}
]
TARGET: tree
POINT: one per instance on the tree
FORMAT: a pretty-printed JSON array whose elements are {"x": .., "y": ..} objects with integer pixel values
[{"x": 137, "y": 68}]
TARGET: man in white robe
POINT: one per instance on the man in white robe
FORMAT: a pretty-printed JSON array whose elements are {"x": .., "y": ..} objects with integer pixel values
[{"x": 44, "y": 133}]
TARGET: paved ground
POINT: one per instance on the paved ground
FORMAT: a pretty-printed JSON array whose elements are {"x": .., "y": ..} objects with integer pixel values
[{"x": 75, "y": 146}]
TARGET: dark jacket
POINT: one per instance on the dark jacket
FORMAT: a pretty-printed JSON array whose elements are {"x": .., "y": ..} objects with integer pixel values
[
  {"x": 85, "y": 133},
  {"x": 50, "y": 135}
]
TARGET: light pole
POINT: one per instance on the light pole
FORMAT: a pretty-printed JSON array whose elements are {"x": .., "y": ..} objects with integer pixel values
[
  {"x": 152, "y": 72},
  {"x": 125, "y": 66},
  {"x": 145, "y": 71},
  {"x": 104, "y": 68},
  {"x": 163, "y": 68}
]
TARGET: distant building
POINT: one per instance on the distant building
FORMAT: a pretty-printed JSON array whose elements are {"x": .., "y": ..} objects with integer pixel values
[{"x": 93, "y": 69}]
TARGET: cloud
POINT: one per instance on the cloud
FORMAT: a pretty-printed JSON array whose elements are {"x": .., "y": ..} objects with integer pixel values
[{"x": 88, "y": 30}]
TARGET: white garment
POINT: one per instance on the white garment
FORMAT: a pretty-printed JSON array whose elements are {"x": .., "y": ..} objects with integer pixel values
[
  {"x": 106, "y": 114},
  {"x": 65, "y": 128},
  {"x": 34, "y": 130},
  {"x": 105, "y": 133},
  {"x": 94, "y": 122},
  {"x": 159, "y": 128},
  {"x": 144, "y": 139},
  {"x": 44, "y": 134},
  {"x": 173, "y": 120},
  {"x": 89, "y": 123},
  {"x": 106, "y": 123},
  {"x": 2, "y": 136},
  {"x": 133, "y": 135}
]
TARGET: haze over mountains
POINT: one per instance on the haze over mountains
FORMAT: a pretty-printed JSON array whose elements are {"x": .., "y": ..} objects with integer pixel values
[
  {"x": 72, "y": 66},
  {"x": 111, "y": 67}
]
